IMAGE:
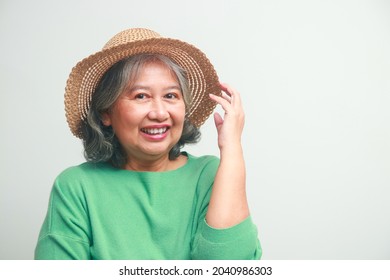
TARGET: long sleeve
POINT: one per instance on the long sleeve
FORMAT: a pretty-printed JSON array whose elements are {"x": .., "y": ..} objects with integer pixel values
[
  {"x": 239, "y": 242},
  {"x": 65, "y": 233}
]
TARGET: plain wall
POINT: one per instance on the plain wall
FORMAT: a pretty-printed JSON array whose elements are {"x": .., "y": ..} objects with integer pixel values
[{"x": 315, "y": 81}]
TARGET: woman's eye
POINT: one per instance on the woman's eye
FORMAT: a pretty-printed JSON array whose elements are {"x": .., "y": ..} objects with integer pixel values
[
  {"x": 171, "y": 95},
  {"x": 140, "y": 96}
]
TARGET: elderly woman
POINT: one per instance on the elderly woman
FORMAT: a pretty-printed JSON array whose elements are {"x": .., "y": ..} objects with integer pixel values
[{"x": 135, "y": 104}]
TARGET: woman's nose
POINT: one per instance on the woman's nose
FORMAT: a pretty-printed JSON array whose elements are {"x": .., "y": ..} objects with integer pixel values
[{"x": 158, "y": 111}]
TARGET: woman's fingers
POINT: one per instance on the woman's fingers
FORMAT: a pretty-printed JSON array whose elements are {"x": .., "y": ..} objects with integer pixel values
[
  {"x": 232, "y": 93},
  {"x": 229, "y": 97},
  {"x": 221, "y": 100},
  {"x": 230, "y": 101}
]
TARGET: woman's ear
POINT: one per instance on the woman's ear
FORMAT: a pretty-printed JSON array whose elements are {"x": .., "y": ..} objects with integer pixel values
[{"x": 106, "y": 119}]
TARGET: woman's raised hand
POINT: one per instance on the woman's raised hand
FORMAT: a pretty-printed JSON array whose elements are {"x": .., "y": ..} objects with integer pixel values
[{"x": 231, "y": 125}]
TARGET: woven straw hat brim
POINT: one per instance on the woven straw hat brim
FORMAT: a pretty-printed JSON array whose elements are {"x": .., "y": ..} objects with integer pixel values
[{"x": 85, "y": 76}]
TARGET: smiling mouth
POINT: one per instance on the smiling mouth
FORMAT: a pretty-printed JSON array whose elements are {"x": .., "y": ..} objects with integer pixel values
[{"x": 154, "y": 131}]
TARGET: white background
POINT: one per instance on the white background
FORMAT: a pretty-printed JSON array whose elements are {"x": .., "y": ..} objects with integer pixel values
[{"x": 315, "y": 81}]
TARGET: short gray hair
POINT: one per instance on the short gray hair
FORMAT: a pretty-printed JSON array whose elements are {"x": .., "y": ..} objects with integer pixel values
[{"x": 100, "y": 142}]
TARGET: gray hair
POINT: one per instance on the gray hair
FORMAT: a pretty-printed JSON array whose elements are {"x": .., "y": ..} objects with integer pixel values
[{"x": 100, "y": 142}]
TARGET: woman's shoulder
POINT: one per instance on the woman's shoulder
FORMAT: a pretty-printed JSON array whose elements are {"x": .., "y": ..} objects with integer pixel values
[
  {"x": 83, "y": 171},
  {"x": 204, "y": 162}
]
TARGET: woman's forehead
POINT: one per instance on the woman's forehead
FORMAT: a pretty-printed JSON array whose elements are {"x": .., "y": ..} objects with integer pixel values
[{"x": 143, "y": 68}]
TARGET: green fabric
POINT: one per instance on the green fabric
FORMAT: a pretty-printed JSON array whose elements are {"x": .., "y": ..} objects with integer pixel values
[{"x": 99, "y": 212}]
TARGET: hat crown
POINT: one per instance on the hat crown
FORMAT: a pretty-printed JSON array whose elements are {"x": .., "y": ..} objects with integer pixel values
[{"x": 130, "y": 35}]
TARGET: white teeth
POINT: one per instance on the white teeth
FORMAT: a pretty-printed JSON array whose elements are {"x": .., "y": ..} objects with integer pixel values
[{"x": 154, "y": 131}]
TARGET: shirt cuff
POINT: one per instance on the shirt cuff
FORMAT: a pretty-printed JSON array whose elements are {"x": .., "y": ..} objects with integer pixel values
[{"x": 222, "y": 235}]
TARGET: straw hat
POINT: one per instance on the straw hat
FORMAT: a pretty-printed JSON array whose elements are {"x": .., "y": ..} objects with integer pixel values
[{"x": 85, "y": 76}]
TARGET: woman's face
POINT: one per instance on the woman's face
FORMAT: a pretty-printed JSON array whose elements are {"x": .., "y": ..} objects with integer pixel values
[{"x": 148, "y": 116}]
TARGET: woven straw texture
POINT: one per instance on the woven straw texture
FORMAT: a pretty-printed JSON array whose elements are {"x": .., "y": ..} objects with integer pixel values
[{"x": 85, "y": 76}]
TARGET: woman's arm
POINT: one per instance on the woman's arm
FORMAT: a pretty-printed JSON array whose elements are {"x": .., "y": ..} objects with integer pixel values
[{"x": 228, "y": 203}]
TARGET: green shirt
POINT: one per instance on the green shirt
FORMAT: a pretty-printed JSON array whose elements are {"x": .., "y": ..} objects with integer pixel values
[{"x": 97, "y": 211}]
